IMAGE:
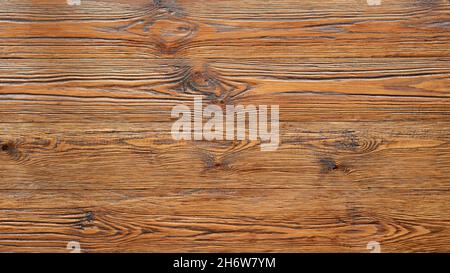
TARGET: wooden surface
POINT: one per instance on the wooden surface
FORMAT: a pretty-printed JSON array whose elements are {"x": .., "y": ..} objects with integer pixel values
[{"x": 86, "y": 152}]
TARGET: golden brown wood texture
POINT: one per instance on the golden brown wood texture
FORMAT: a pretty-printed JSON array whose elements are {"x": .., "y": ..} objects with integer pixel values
[{"x": 86, "y": 151}]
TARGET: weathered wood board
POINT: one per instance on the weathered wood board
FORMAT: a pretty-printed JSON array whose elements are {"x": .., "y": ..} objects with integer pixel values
[{"x": 86, "y": 94}]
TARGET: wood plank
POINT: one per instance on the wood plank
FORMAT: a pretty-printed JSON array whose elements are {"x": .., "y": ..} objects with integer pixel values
[
  {"x": 161, "y": 78},
  {"x": 229, "y": 29},
  {"x": 196, "y": 220},
  {"x": 342, "y": 89},
  {"x": 133, "y": 156}
]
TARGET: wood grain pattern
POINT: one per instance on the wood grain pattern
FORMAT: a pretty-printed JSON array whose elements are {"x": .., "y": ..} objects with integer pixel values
[{"x": 86, "y": 152}]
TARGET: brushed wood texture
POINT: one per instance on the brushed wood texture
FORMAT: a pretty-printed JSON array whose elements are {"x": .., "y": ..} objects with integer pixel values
[{"x": 86, "y": 153}]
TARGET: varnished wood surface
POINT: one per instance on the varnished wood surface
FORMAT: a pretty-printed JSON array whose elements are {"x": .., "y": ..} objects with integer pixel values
[{"x": 87, "y": 155}]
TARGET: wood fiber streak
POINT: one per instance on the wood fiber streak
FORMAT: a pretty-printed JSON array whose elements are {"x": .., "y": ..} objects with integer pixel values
[{"x": 86, "y": 152}]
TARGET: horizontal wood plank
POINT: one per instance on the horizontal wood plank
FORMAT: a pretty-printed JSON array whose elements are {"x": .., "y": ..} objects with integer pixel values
[
  {"x": 311, "y": 155},
  {"x": 216, "y": 220},
  {"x": 228, "y": 29}
]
